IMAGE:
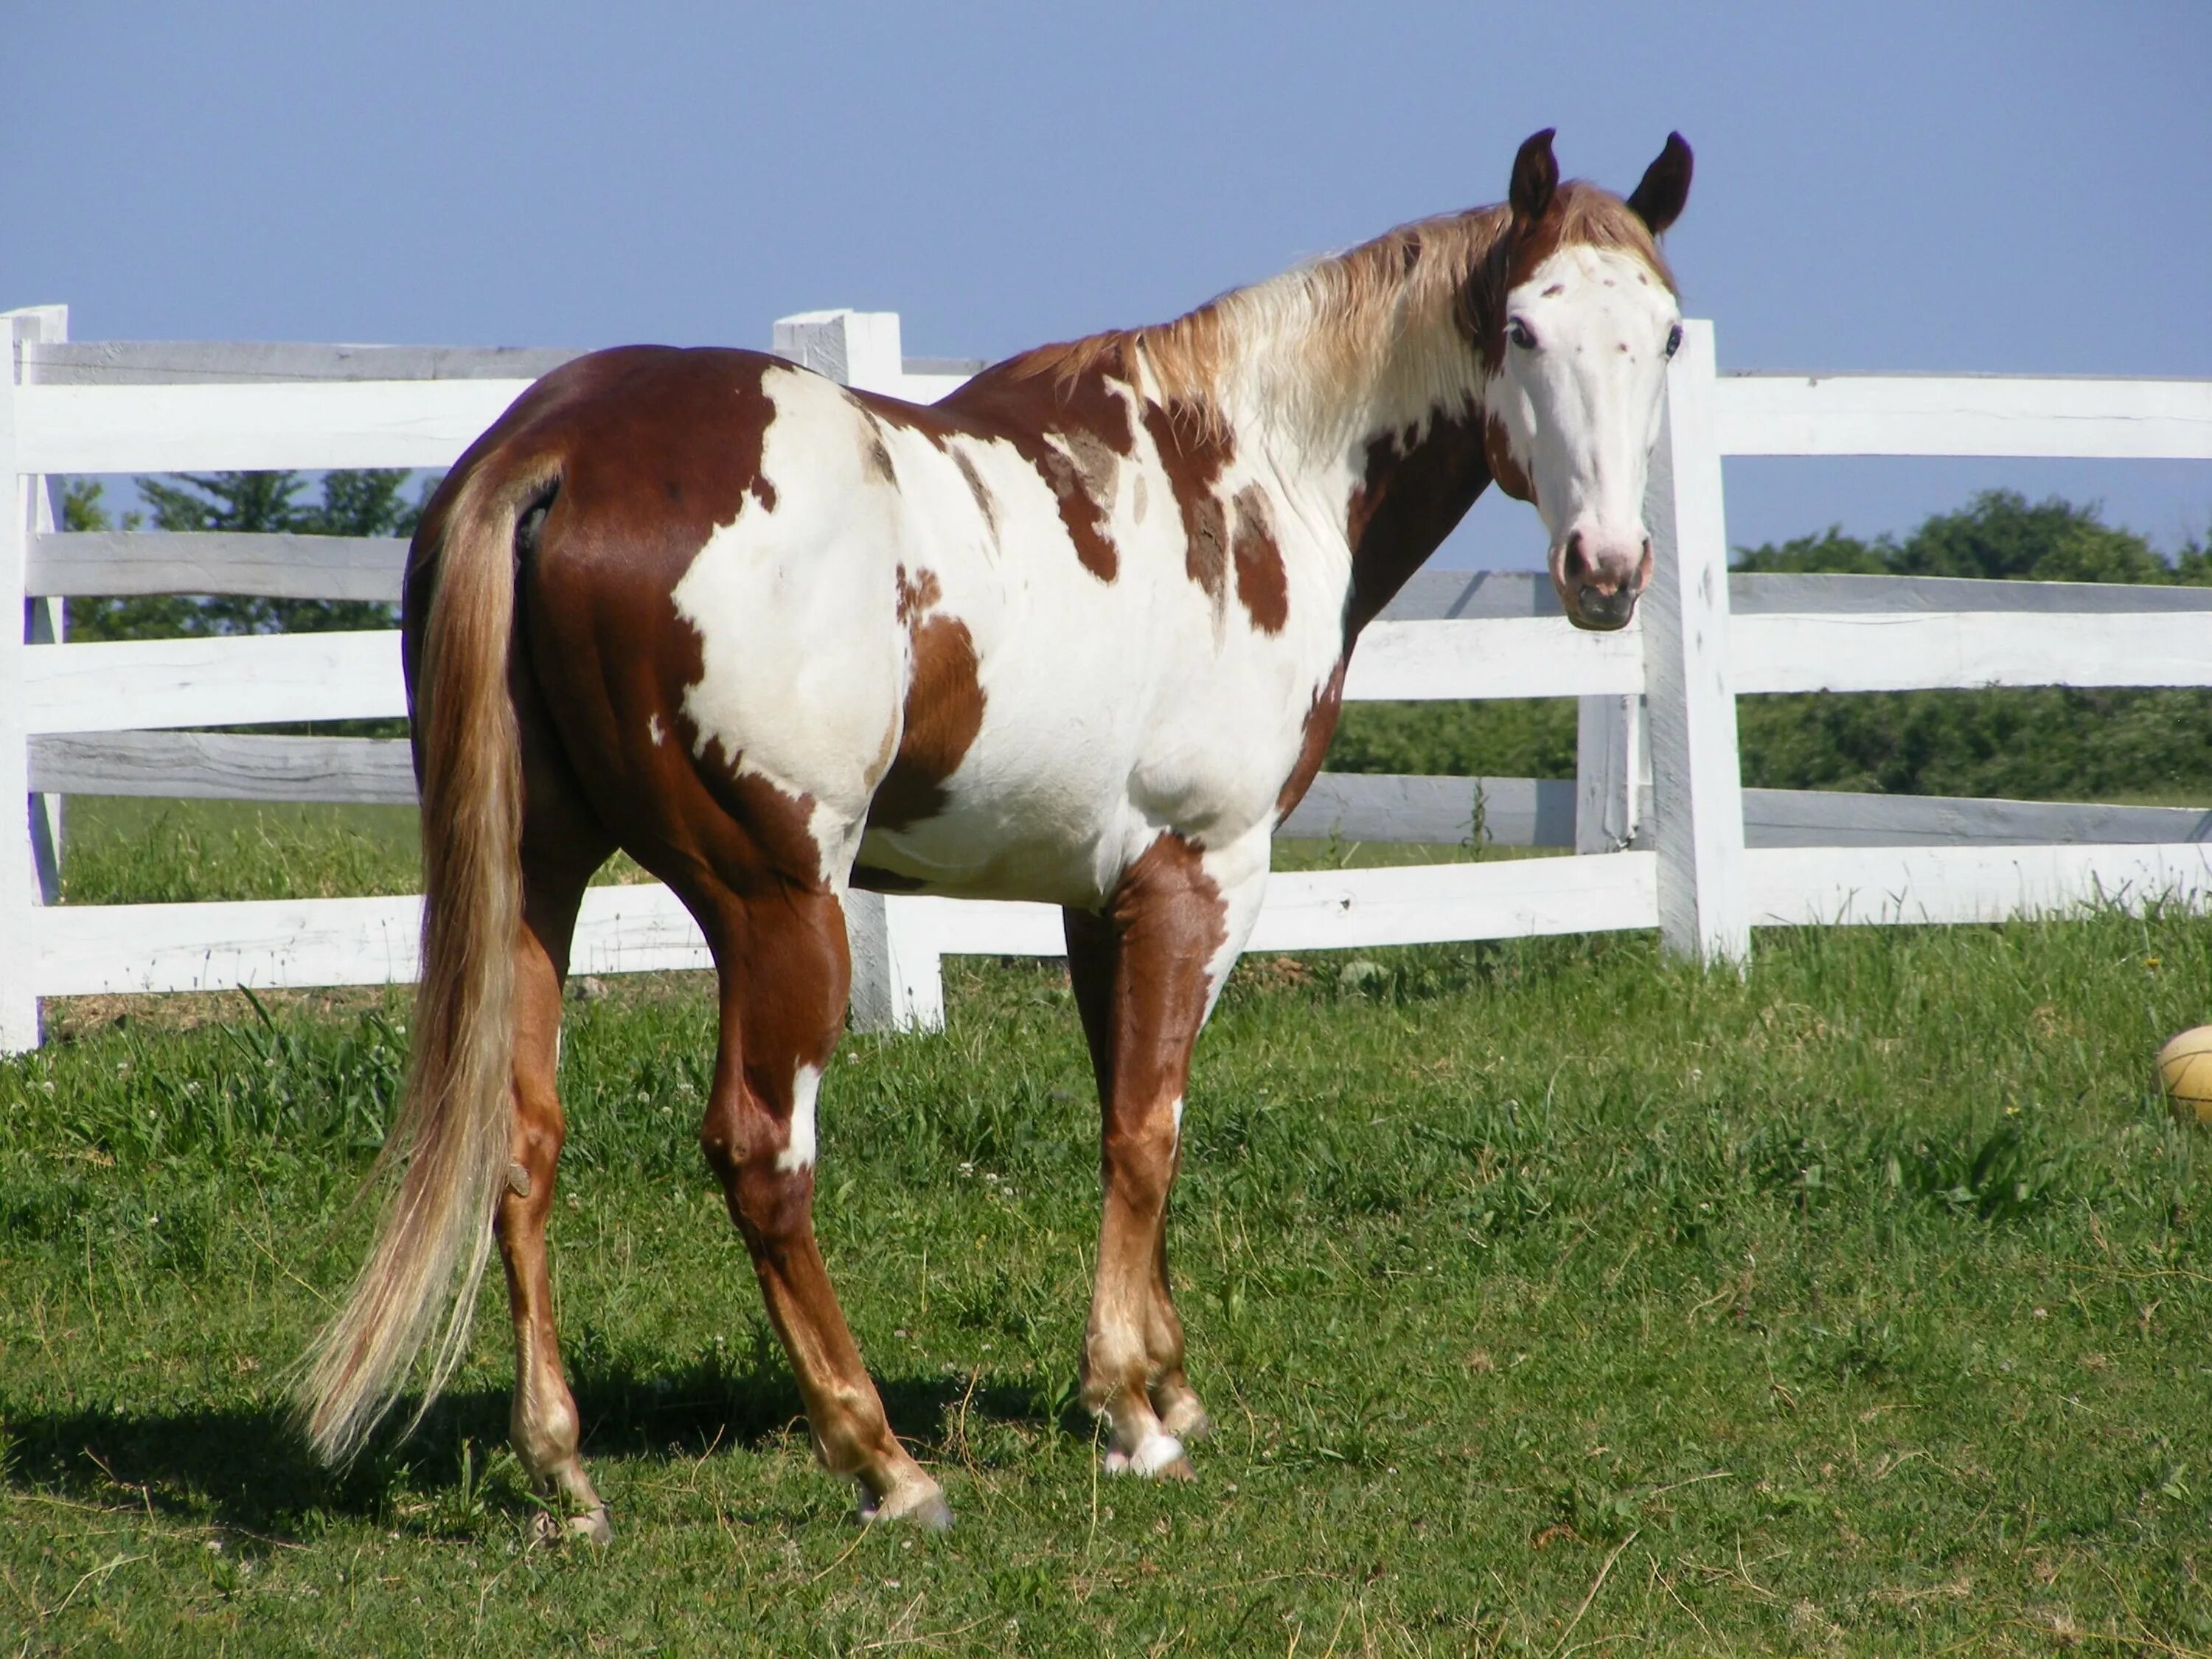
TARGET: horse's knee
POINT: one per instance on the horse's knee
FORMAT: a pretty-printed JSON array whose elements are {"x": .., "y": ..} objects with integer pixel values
[
  {"x": 770, "y": 1198},
  {"x": 1140, "y": 1156}
]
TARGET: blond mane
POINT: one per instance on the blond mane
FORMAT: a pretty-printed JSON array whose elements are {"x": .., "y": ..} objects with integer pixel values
[{"x": 1337, "y": 337}]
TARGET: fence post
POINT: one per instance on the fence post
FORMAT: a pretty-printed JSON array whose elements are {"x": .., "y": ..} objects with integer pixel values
[
  {"x": 1612, "y": 772},
  {"x": 897, "y": 985},
  {"x": 1696, "y": 795},
  {"x": 44, "y": 621},
  {"x": 29, "y": 838},
  {"x": 858, "y": 348},
  {"x": 897, "y": 982}
]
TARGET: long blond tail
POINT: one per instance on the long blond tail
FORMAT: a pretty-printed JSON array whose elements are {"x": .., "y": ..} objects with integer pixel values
[{"x": 452, "y": 1136}]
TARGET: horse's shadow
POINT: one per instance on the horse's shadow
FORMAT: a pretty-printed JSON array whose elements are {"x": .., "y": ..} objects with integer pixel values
[{"x": 246, "y": 1469}]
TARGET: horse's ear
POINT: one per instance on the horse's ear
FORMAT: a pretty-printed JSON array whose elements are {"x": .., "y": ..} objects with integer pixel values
[
  {"x": 1666, "y": 185},
  {"x": 1536, "y": 178}
]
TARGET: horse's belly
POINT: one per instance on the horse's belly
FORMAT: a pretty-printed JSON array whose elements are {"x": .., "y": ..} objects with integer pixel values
[
  {"x": 1055, "y": 812},
  {"x": 1050, "y": 833}
]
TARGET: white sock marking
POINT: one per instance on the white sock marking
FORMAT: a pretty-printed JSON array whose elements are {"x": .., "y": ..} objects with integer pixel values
[
  {"x": 1154, "y": 1453},
  {"x": 798, "y": 1151}
]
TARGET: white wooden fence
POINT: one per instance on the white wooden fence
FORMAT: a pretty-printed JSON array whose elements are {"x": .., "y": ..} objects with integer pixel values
[{"x": 1665, "y": 834}]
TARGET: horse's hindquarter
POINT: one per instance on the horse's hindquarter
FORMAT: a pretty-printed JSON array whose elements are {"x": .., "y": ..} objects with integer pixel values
[{"x": 1108, "y": 707}]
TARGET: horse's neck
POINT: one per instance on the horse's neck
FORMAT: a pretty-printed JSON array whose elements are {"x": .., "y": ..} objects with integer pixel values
[
  {"x": 1397, "y": 490},
  {"x": 1397, "y": 465}
]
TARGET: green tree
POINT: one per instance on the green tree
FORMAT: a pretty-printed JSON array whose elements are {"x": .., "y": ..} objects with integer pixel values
[
  {"x": 2000, "y": 535},
  {"x": 2047, "y": 743}
]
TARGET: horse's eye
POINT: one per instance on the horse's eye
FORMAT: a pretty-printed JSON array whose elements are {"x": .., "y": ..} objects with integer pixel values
[
  {"x": 1674, "y": 339},
  {"x": 1517, "y": 332}
]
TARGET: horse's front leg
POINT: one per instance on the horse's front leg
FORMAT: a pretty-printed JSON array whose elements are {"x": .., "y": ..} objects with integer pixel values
[{"x": 1146, "y": 973}]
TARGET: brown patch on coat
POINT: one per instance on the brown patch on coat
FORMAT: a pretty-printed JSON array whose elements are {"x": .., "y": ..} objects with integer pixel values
[
  {"x": 1079, "y": 510},
  {"x": 1417, "y": 486},
  {"x": 879, "y": 461},
  {"x": 1262, "y": 583},
  {"x": 944, "y": 707},
  {"x": 1095, "y": 464},
  {"x": 917, "y": 594},
  {"x": 1089, "y": 419},
  {"x": 1313, "y": 742},
  {"x": 1497, "y": 453},
  {"x": 1193, "y": 458},
  {"x": 979, "y": 490}
]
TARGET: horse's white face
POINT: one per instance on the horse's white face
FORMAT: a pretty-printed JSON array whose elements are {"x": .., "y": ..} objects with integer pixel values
[{"x": 1587, "y": 340}]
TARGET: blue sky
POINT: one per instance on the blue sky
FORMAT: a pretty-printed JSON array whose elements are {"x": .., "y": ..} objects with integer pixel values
[{"x": 2014, "y": 187}]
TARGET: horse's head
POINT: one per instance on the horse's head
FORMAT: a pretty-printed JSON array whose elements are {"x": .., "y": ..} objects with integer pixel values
[{"x": 1575, "y": 316}]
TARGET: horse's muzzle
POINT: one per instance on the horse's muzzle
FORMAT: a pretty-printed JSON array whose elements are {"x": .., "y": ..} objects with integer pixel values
[
  {"x": 1599, "y": 581},
  {"x": 1601, "y": 611}
]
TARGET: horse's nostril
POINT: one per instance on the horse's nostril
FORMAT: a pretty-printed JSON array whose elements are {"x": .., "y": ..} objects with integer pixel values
[{"x": 1575, "y": 562}]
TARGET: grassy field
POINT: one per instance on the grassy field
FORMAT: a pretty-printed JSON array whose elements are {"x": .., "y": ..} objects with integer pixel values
[
  {"x": 1550, "y": 1298},
  {"x": 126, "y": 851}
]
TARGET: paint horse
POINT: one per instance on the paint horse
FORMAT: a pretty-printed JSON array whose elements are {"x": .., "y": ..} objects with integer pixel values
[{"x": 1076, "y": 634}]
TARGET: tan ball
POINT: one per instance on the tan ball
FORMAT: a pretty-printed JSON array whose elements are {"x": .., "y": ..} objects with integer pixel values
[{"x": 2185, "y": 1067}]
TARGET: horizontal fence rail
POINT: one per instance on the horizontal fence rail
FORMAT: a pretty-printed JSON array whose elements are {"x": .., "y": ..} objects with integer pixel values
[
  {"x": 1684, "y": 847},
  {"x": 1385, "y": 809},
  {"x": 123, "y": 684},
  {"x": 225, "y": 766},
  {"x": 114, "y": 564},
  {"x": 1990, "y": 415}
]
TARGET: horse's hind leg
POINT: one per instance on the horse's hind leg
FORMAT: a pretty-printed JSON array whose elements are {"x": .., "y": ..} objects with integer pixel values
[
  {"x": 785, "y": 973},
  {"x": 561, "y": 845}
]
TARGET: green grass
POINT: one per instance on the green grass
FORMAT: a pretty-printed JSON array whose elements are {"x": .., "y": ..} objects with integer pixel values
[
  {"x": 121, "y": 850},
  {"x": 1547, "y": 1295},
  {"x": 118, "y": 850}
]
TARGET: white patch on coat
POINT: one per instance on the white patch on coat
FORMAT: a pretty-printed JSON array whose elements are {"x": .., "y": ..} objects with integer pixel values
[
  {"x": 802, "y": 660},
  {"x": 654, "y": 729},
  {"x": 798, "y": 1151},
  {"x": 1240, "y": 872}
]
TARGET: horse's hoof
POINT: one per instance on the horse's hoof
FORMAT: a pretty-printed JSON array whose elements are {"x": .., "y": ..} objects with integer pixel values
[
  {"x": 922, "y": 1504},
  {"x": 1158, "y": 1457},
  {"x": 1186, "y": 1420},
  {"x": 548, "y": 1529}
]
